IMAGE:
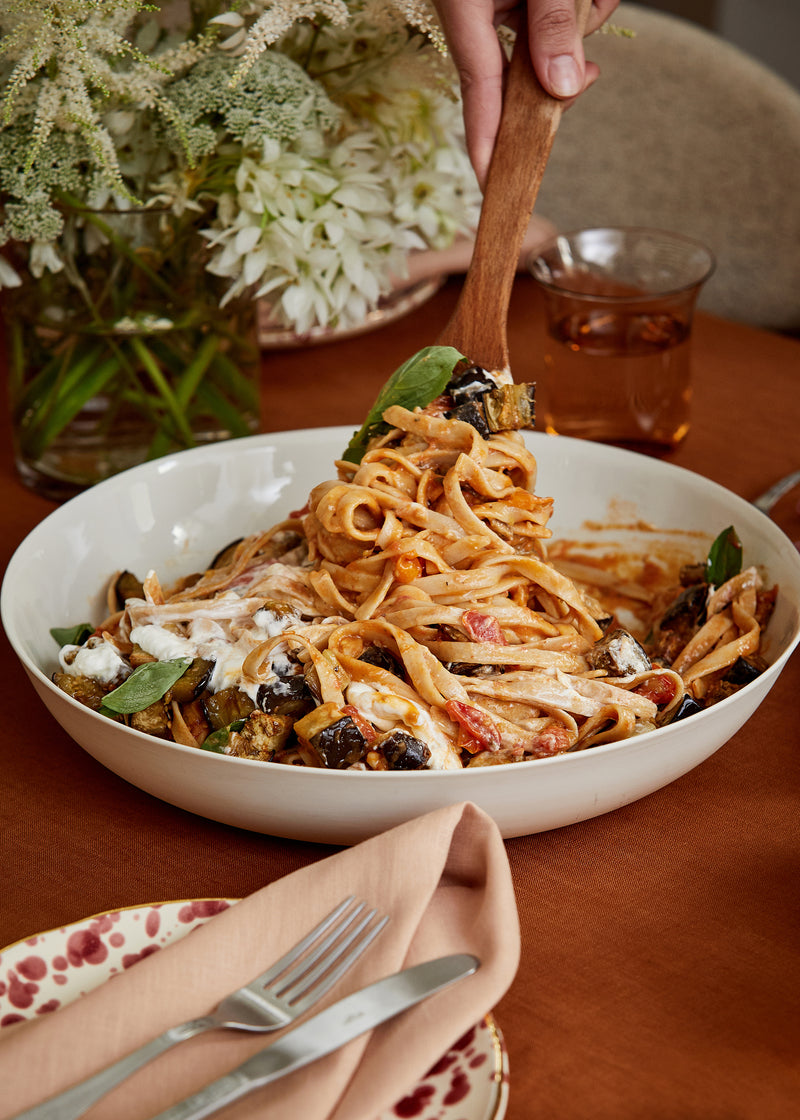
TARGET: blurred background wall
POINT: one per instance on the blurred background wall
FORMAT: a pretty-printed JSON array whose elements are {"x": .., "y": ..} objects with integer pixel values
[{"x": 769, "y": 30}]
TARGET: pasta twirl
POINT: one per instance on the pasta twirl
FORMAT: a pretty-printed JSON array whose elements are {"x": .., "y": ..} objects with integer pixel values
[{"x": 409, "y": 618}]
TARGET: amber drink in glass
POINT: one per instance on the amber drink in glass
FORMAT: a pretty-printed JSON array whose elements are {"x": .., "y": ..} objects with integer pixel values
[{"x": 619, "y": 305}]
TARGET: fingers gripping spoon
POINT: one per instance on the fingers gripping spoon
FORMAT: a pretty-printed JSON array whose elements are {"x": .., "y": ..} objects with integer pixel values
[
  {"x": 530, "y": 119},
  {"x": 477, "y": 327}
]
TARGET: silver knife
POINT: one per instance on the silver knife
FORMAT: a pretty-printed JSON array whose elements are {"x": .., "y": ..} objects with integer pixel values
[{"x": 325, "y": 1032}]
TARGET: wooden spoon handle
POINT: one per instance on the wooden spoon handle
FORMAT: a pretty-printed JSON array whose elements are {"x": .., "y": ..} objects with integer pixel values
[{"x": 528, "y": 126}]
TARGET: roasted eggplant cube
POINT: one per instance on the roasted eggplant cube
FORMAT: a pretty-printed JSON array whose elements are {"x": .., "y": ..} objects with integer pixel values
[
  {"x": 382, "y": 658},
  {"x": 285, "y": 612},
  {"x": 127, "y": 586},
  {"x": 403, "y": 752},
  {"x": 468, "y": 669},
  {"x": 83, "y": 689},
  {"x": 470, "y": 385},
  {"x": 333, "y": 736},
  {"x": 312, "y": 682},
  {"x": 340, "y": 745},
  {"x": 262, "y": 736},
  {"x": 286, "y": 696},
  {"x": 741, "y": 673},
  {"x": 744, "y": 670},
  {"x": 193, "y": 682},
  {"x": 471, "y": 412},
  {"x": 686, "y": 610},
  {"x": 692, "y": 574},
  {"x": 687, "y": 707},
  {"x": 226, "y": 706},
  {"x": 153, "y": 720},
  {"x": 619, "y": 655},
  {"x": 226, "y": 554},
  {"x": 510, "y": 407}
]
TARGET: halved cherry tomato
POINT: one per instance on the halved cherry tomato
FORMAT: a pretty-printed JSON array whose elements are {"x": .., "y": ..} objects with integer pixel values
[
  {"x": 483, "y": 628},
  {"x": 408, "y": 567},
  {"x": 553, "y": 739},
  {"x": 658, "y": 689},
  {"x": 480, "y": 730}
]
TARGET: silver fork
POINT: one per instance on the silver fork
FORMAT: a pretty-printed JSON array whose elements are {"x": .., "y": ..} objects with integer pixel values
[
  {"x": 273, "y": 999},
  {"x": 770, "y": 497}
]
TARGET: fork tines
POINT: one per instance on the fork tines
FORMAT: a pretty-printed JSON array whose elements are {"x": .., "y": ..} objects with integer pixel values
[{"x": 324, "y": 955}]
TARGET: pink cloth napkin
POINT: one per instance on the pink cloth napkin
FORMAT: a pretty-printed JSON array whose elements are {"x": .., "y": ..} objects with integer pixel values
[{"x": 445, "y": 882}]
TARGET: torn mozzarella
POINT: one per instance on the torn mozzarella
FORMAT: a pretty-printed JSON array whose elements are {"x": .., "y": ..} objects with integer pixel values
[
  {"x": 387, "y": 711},
  {"x": 98, "y": 659}
]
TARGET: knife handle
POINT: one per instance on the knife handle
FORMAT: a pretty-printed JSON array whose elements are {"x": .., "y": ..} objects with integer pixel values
[
  {"x": 263, "y": 1068},
  {"x": 73, "y": 1102},
  {"x": 224, "y": 1091},
  {"x": 328, "y": 1031}
]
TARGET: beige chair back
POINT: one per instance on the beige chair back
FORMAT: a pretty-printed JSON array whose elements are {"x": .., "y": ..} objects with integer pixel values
[{"x": 685, "y": 132}]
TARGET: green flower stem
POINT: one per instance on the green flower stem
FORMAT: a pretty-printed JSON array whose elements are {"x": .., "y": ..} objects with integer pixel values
[
  {"x": 158, "y": 407},
  {"x": 56, "y": 378},
  {"x": 164, "y": 390},
  {"x": 66, "y": 407},
  {"x": 65, "y": 385},
  {"x": 240, "y": 388},
  {"x": 228, "y": 415},
  {"x": 17, "y": 362},
  {"x": 121, "y": 245},
  {"x": 216, "y": 367},
  {"x": 186, "y": 388},
  {"x": 126, "y": 354}
]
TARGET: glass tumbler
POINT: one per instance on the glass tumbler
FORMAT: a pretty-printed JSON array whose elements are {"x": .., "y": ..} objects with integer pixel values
[{"x": 619, "y": 304}]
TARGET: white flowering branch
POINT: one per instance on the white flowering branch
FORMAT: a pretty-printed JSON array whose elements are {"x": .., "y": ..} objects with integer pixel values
[{"x": 312, "y": 143}]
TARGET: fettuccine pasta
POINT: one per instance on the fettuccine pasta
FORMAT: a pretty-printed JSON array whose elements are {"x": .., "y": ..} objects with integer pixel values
[{"x": 408, "y": 618}]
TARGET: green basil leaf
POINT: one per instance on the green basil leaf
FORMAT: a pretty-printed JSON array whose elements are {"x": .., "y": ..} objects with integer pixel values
[
  {"x": 415, "y": 384},
  {"x": 72, "y": 635},
  {"x": 146, "y": 684},
  {"x": 217, "y": 739},
  {"x": 724, "y": 557}
]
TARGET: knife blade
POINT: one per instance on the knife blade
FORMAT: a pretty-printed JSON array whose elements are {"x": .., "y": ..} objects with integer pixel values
[{"x": 323, "y": 1033}]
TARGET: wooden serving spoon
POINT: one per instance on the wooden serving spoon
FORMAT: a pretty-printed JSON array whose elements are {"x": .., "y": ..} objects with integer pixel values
[{"x": 528, "y": 125}]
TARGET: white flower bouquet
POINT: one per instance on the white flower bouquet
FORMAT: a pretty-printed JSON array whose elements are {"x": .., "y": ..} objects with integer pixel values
[
  {"x": 164, "y": 164},
  {"x": 313, "y": 145}
]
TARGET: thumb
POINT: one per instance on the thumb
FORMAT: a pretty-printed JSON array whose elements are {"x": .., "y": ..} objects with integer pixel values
[{"x": 557, "y": 47}]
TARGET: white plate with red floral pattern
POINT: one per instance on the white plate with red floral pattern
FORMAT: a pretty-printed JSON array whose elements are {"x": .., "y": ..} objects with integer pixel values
[{"x": 49, "y": 970}]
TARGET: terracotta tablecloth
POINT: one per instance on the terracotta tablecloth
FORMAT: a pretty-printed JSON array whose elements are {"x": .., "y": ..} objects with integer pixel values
[{"x": 660, "y": 955}]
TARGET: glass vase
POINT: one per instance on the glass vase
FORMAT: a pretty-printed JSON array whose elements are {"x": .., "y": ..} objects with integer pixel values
[{"x": 125, "y": 353}]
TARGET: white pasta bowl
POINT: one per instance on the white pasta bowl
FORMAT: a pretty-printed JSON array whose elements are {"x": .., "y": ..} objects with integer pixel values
[{"x": 174, "y": 514}]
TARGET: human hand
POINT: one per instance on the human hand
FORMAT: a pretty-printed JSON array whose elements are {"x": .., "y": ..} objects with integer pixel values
[{"x": 470, "y": 27}]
